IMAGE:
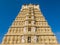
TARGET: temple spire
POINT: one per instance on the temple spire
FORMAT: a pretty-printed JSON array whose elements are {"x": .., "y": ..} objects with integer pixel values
[{"x": 30, "y": 28}]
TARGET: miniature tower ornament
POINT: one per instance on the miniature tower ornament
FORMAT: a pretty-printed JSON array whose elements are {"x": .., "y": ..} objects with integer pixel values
[{"x": 30, "y": 28}]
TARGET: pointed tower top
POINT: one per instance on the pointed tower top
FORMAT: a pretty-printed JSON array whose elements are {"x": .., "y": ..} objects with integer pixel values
[{"x": 30, "y": 5}]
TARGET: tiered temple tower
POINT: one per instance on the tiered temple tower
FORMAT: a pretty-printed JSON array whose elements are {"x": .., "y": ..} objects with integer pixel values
[{"x": 30, "y": 28}]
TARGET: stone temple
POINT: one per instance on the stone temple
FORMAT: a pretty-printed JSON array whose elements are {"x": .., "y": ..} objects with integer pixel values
[{"x": 30, "y": 28}]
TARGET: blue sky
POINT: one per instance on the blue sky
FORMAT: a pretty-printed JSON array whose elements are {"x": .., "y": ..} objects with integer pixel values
[{"x": 10, "y": 8}]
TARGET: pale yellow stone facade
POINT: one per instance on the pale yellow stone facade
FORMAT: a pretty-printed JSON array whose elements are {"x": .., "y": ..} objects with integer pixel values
[{"x": 30, "y": 28}]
